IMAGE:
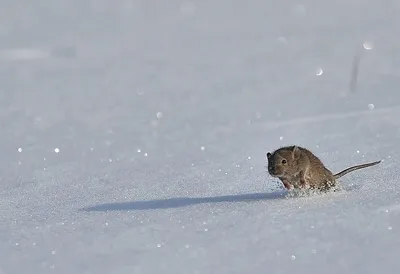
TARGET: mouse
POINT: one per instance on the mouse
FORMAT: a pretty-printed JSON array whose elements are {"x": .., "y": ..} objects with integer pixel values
[{"x": 299, "y": 168}]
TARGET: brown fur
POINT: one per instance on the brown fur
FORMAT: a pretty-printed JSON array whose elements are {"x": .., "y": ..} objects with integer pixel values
[{"x": 298, "y": 167}]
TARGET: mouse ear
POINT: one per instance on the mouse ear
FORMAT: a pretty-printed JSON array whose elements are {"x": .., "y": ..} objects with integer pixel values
[
  {"x": 268, "y": 154},
  {"x": 296, "y": 152}
]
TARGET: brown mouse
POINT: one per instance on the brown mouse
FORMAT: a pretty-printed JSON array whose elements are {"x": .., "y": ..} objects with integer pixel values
[{"x": 298, "y": 167}]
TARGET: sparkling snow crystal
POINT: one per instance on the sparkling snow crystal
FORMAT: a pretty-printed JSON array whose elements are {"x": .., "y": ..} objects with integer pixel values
[{"x": 367, "y": 45}]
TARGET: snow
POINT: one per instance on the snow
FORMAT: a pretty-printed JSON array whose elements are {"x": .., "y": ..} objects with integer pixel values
[{"x": 134, "y": 136}]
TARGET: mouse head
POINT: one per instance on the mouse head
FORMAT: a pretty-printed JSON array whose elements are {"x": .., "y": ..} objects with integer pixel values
[{"x": 283, "y": 162}]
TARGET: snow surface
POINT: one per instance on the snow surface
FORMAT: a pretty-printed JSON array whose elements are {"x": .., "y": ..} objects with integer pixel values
[{"x": 134, "y": 135}]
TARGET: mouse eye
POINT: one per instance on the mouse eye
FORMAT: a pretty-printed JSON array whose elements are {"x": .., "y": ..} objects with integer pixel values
[{"x": 284, "y": 161}]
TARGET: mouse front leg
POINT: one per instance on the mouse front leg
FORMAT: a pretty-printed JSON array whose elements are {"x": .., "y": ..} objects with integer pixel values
[
  {"x": 286, "y": 183},
  {"x": 303, "y": 182}
]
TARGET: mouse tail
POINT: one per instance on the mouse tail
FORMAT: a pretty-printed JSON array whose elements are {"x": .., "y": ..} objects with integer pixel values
[{"x": 353, "y": 168}]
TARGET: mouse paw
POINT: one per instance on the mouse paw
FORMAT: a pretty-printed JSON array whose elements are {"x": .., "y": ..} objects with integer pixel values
[
  {"x": 287, "y": 185},
  {"x": 304, "y": 183}
]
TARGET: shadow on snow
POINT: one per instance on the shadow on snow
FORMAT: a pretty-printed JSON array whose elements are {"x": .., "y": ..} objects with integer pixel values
[{"x": 185, "y": 201}]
